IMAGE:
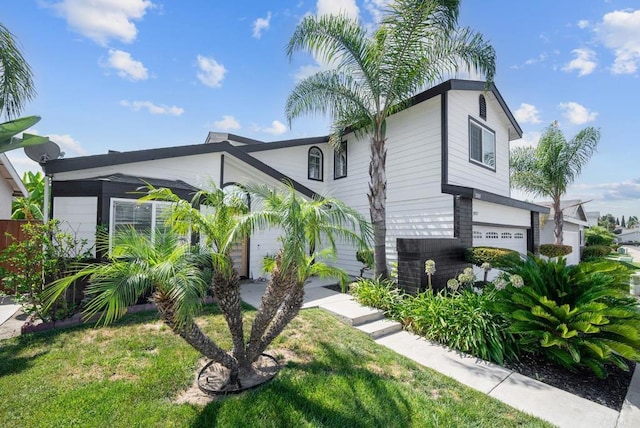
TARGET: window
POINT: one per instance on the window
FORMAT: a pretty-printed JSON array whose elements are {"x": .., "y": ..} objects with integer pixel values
[
  {"x": 477, "y": 235},
  {"x": 482, "y": 107},
  {"x": 144, "y": 217},
  {"x": 518, "y": 235},
  {"x": 482, "y": 145},
  {"x": 505, "y": 235},
  {"x": 491, "y": 235},
  {"x": 315, "y": 164},
  {"x": 340, "y": 161}
]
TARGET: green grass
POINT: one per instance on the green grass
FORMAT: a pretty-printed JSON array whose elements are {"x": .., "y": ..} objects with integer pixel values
[{"x": 129, "y": 374}]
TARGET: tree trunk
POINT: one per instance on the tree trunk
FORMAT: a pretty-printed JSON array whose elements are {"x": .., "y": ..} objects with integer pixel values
[
  {"x": 277, "y": 288},
  {"x": 290, "y": 308},
  {"x": 226, "y": 288},
  {"x": 378, "y": 204},
  {"x": 558, "y": 220},
  {"x": 192, "y": 334}
]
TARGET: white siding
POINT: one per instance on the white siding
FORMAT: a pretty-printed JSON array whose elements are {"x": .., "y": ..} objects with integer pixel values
[
  {"x": 486, "y": 212},
  {"x": 570, "y": 236},
  {"x": 77, "y": 217},
  {"x": 293, "y": 162},
  {"x": 462, "y": 172},
  {"x": 197, "y": 170},
  {"x": 5, "y": 199}
]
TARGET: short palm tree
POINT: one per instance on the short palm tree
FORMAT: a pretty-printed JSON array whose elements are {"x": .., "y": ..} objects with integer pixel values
[
  {"x": 417, "y": 44},
  {"x": 548, "y": 169},
  {"x": 179, "y": 275}
]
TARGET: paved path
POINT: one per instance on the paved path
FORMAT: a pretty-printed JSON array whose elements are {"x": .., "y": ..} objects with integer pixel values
[{"x": 536, "y": 398}]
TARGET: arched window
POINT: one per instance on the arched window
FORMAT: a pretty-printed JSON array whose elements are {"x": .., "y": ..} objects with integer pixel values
[
  {"x": 315, "y": 164},
  {"x": 483, "y": 107},
  {"x": 340, "y": 161}
]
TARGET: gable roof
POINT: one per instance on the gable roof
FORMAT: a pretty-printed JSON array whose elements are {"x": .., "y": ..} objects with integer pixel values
[
  {"x": 572, "y": 210},
  {"x": 9, "y": 174}
]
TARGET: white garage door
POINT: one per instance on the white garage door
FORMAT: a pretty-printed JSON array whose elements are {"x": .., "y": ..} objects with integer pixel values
[{"x": 512, "y": 238}]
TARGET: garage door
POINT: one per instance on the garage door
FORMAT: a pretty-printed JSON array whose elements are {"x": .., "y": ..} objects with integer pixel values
[{"x": 512, "y": 238}]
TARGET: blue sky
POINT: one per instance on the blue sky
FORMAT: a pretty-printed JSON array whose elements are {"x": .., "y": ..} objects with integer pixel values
[{"x": 136, "y": 74}]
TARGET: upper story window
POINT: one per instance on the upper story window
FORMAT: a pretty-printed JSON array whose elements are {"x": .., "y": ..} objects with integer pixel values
[
  {"x": 482, "y": 107},
  {"x": 340, "y": 161},
  {"x": 315, "y": 164},
  {"x": 482, "y": 145}
]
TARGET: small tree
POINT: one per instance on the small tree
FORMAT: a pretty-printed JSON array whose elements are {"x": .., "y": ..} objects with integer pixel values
[
  {"x": 30, "y": 207},
  {"x": 632, "y": 222},
  {"x": 607, "y": 221},
  {"x": 548, "y": 169},
  {"x": 179, "y": 275}
]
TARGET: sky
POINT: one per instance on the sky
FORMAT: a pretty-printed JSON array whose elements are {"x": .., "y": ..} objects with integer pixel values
[{"x": 138, "y": 74}]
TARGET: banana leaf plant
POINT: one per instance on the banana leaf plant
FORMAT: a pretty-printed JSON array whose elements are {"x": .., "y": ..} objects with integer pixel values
[{"x": 13, "y": 127}]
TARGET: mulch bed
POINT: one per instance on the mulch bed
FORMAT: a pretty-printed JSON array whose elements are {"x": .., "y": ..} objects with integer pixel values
[{"x": 610, "y": 391}]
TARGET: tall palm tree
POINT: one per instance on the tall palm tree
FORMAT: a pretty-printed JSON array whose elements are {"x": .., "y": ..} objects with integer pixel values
[
  {"x": 16, "y": 88},
  {"x": 548, "y": 169},
  {"x": 179, "y": 276},
  {"x": 16, "y": 79},
  {"x": 417, "y": 44}
]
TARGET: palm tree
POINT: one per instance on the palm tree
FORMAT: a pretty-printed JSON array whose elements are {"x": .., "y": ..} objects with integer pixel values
[
  {"x": 16, "y": 88},
  {"x": 548, "y": 169},
  {"x": 179, "y": 275},
  {"x": 416, "y": 44},
  {"x": 16, "y": 79}
]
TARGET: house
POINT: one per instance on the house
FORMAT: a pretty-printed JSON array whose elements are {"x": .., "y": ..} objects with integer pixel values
[
  {"x": 10, "y": 186},
  {"x": 629, "y": 236},
  {"x": 593, "y": 217},
  {"x": 575, "y": 220},
  {"x": 447, "y": 168}
]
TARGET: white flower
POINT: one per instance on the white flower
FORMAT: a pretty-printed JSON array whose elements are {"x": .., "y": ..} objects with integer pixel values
[
  {"x": 430, "y": 267},
  {"x": 486, "y": 266},
  {"x": 499, "y": 283},
  {"x": 453, "y": 284},
  {"x": 516, "y": 281}
]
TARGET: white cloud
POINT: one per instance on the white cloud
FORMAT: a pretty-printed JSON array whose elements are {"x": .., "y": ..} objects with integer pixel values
[
  {"x": 620, "y": 32},
  {"x": 102, "y": 20},
  {"x": 576, "y": 113},
  {"x": 584, "y": 62},
  {"x": 152, "y": 108},
  {"x": 338, "y": 7},
  {"x": 527, "y": 113},
  {"x": 68, "y": 145},
  {"x": 261, "y": 24},
  {"x": 227, "y": 123},
  {"x": 537, "y": 59},
  {"x": 277, "y": 128},
  {"x": 583, "y": 23},
  {"x": 211, "y": 72},
  {"x": 529, "y": 139},
  {"x": 376, "y": 9},
  {"x": 126, "y": 66}
]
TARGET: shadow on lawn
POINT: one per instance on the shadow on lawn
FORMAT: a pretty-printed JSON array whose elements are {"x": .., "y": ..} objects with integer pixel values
[{"x": 347, "y": 394}]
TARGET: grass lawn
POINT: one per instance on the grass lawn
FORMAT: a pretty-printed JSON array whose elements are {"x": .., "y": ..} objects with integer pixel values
[{"x": 129, "y": 374}]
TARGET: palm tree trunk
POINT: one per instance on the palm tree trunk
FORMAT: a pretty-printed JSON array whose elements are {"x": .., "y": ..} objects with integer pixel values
[
  {"x": 192, "y": 334},
  {"x": 226, "y": 287},
  {"x": 558, "y": 220},
  {"x": 277, "y": 288},
  {"x": 290, "y": 308},
  {"x": 378, "y": 204}
]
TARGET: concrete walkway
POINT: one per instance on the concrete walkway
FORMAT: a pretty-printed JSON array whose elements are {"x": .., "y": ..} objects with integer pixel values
[{"x": 536, "y": 398}]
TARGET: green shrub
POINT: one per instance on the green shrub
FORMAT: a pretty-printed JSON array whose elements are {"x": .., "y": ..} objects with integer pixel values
[
  {"x": 496, "y": 257},
  {"x": 378, "y": 293},
  {"x": 573, "y": 315},
  {"x": 365, "y": 256},
  {"x": 595, "y": 252},
  {"x": 598, "y": 235},
  {"x": 462, "y": 321},
  {"x": 554, "y": 250}
]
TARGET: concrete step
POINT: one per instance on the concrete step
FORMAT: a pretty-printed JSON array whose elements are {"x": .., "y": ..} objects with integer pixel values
[
  {"x": 352, "y": 313},
  {"x": 380, "y": 328}
]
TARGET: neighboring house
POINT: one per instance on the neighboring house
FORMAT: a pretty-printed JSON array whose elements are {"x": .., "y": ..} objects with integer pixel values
[
  {"x": 629, "y": 236},
  {"x": 10, "y": 186},
  {"x": 447, "y": 168},
  {"x": 575, "y": 220},
  {"x": 593, "y": 217}
]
